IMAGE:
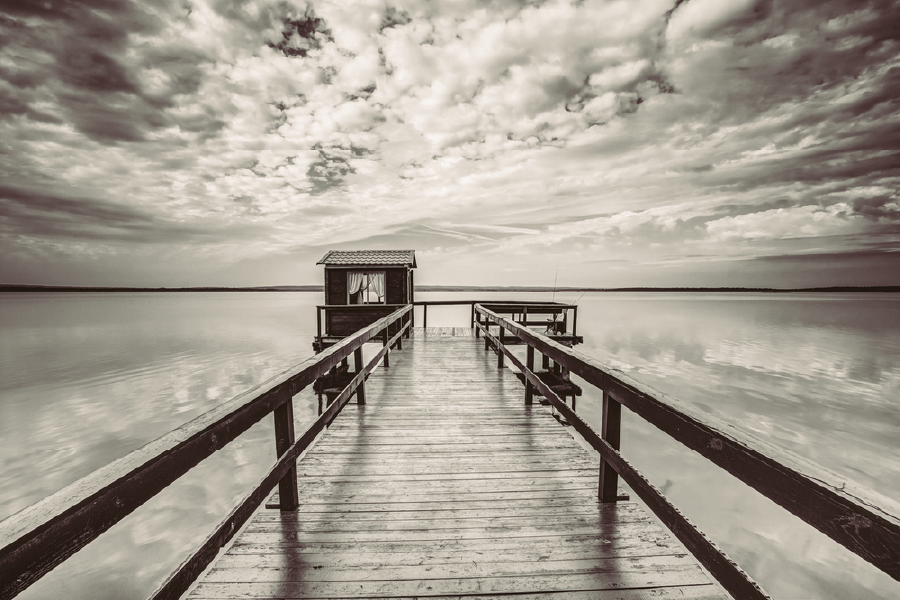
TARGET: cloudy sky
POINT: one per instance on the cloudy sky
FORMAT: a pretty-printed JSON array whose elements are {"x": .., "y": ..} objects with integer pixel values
[{"x": 606, "y": 143}]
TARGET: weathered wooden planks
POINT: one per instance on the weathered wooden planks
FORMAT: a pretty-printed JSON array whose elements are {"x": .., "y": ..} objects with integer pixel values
[
  {"x": 420, "y": 332},
  {"x": 446, "y": 484}
]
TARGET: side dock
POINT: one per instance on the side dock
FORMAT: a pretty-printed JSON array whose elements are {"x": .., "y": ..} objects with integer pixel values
[{"x": 444, "y": 483}]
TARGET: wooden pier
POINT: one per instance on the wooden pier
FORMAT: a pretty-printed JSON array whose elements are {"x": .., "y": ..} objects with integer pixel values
[
  {"x": 444, "y": 483},
  {"x": 445, "y": 479}
]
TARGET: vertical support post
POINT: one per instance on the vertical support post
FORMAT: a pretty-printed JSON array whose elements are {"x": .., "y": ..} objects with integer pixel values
[
  {"x": 500, "y": 348},
  {"x": 574, "y": 320},
  {"x": 611, "y": 432},
  {"x": 476, "y": 320},
  {"x": 358, "y": 367},
  {"x": 524, "y": 316},
  {"x": 472, "y": 315},
  {"x": 319, "y": 325},
  {"x": 424, "y": 316},
  {"x": 289, "y": 499},
  {"x": 545, "y": 362},
  {"x": 387, "y": 355},
  {"x": 529, "y": 364}
]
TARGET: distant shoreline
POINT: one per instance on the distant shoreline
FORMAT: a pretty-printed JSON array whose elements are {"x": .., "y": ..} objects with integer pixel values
[{"x": 447, "y": 288}]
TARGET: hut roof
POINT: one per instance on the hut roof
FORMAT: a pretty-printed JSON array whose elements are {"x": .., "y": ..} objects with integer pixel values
[{"x": 368, "y": 258}]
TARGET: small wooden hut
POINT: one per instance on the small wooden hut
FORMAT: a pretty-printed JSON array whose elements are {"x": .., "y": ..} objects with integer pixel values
[{"x": 362, "y": 286}]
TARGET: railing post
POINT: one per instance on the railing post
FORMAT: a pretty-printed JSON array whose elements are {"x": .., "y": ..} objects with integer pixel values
[
  {"x": 476, "y": 320},
  {"x": 472, "y": 315},
  {"x": 387, "y": 355},
  {"x": 289, "y": 499},
  {"x": 424, "y": 316},
  {"x": 529, "y": 364},
  {"x": 611, "y": 432},
  {"x": 574, "y": 320},
  {"x": 358, "y": 367},
  {"x": 524, "y": 316},
  {"x": 319, "y": 325},
  {"x": 500, "y": 342}
]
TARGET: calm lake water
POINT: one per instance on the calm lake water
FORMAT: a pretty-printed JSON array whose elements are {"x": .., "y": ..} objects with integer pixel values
[{"x": 86, "y": 378}]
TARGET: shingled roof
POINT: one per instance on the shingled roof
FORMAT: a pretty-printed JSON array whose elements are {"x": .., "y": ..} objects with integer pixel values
[{"x": 368, "y": 258}]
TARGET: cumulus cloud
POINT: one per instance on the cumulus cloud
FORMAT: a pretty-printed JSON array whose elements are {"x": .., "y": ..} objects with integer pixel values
[{"x": 654, "y": 131}]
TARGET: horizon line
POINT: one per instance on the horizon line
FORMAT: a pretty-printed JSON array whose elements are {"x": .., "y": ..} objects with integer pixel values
[{"x": 16, "y": 287}]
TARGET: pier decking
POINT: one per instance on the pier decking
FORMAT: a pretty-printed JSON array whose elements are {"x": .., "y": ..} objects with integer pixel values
[{"x": 446, "y": 484}]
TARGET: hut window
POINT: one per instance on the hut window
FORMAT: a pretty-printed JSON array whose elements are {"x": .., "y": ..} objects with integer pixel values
[{"x": 365, "y": 287}]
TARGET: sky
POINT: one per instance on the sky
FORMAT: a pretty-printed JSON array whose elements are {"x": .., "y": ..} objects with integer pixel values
[{"x": 594, "y": 143}]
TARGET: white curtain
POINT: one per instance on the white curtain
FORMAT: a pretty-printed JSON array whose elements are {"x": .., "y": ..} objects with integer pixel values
[
  {"x": 355, "y": 281},
  {"x": 376, "y": 281}
]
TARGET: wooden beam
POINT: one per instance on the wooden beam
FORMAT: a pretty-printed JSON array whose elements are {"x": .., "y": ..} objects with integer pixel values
[
  {"x": 860, "y": 519},
  {"x": 284, "y": 439},
  {"x": 358, "y": 367},
  {"x": 611, "y": 432},
  {"x": 529, "y": 364}
]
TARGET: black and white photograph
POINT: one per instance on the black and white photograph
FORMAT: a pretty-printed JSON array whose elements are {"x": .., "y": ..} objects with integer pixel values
[{"x": 526, "y": 299}]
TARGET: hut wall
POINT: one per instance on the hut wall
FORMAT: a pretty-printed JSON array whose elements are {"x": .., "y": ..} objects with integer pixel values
[
  {"x": 395, "y": 282},
  {"x": 335, "y": 286},
  {"x": 346, "y": 321}
]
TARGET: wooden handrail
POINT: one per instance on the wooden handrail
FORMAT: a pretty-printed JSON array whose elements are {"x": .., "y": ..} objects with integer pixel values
[
  {"x": 538, "y": 307},
  {"x": 40, "y": 537},
  {"x": 360, "y": 306},
  {"x": 492, "y": 302},
  {"x": 179, "y": 581},
  {"x": 862, "y": 520},
  {"x": 730, "y": 575}
]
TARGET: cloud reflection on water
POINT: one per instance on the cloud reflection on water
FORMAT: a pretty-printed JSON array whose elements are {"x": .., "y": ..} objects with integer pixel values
[
  {"x": 817, "y": 375},
  {"x": 87, "y": 378},
  {"x": 95, "y": 376}
]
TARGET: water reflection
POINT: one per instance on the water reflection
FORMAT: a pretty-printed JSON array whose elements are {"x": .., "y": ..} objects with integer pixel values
[
  {"x": 815, "y": 374},
  {"x": 87, "y": 378}
]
